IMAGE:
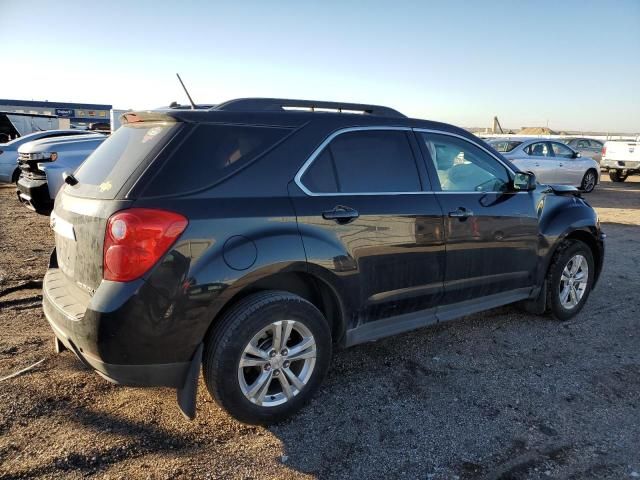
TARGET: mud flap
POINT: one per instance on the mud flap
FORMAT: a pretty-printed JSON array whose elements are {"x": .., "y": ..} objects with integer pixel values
[
  {"x": 187, "y": 394},
  {"x": 58, "y": 346},
  {"x": 538, "y": 305}
]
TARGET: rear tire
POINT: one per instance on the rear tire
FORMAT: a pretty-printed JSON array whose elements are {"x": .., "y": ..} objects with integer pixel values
[
  {"x": 253, "y": 376},
  {"x": 569, "y": 279},
  {"x": 617, "y": 176},
  {"x": 589, "y": 181}
]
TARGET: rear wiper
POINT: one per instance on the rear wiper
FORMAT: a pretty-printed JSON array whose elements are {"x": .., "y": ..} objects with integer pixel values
[{"x": 69, "y": 179}]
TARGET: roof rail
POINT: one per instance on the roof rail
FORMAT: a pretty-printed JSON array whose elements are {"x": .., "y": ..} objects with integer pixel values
[
  {"x": 177, "y": 106},
  {"x": 285, "y": 104}
]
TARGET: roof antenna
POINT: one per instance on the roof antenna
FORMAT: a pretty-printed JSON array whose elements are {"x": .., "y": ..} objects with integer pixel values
[{"x": 193, "y": 105}]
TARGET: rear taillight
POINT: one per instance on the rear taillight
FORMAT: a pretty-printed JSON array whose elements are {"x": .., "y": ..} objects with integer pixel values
[
  {"x": 604, "y": 151},
  {"x": 136, "y": 239}
]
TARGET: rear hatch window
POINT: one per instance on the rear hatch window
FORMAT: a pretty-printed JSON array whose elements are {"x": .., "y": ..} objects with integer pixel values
[
  {"x": 211, "y": 153},
  {"x": 108, "y": 168}
]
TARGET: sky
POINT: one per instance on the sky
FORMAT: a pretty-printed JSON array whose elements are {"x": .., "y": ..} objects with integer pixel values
[{"x": 572, "y": 65}]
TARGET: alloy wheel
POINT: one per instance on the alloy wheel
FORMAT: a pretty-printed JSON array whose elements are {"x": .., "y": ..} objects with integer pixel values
[
  {"x": 277, "y": 363},
  {"x": 589, "y": 182},
  {"x": 573, "y": 281}
]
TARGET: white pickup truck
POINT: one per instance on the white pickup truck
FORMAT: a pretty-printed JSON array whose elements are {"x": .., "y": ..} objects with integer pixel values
[{"x": 621, "y": 158}]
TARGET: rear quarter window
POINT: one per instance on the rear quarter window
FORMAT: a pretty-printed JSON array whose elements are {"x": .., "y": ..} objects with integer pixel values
[{"x": 209, "y": 154}]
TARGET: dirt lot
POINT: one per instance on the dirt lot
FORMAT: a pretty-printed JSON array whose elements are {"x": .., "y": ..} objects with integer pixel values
[{"x": 496, "y": 395}]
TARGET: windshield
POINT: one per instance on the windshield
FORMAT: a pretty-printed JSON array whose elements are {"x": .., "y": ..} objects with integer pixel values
[{"x": 106, "y": 170}]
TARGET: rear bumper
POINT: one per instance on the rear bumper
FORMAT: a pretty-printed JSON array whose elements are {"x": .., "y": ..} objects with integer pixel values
[
  {"x": 620, "y": 164},
  {"x": 158, "y": 375},
  {"x": 79, "y": 329},
  {"x": 34, "y": 194}
]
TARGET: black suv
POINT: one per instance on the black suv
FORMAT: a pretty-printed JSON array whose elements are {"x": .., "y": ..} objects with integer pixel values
[{"x": 255, "y": 236}]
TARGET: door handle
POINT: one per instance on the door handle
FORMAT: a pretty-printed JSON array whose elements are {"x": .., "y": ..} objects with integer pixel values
[
  {"x": 342, "y": 215},
  {"x": 461, "y": 213}
]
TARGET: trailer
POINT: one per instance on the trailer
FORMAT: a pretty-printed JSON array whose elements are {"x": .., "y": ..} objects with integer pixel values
[{"x": 14, "y": 125}]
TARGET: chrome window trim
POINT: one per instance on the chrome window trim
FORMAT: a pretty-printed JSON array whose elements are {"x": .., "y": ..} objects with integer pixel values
[{"x": 298, "y": 177}]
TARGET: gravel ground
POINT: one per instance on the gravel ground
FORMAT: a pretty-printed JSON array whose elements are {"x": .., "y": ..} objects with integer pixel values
[{"x": 495, "y": 395}]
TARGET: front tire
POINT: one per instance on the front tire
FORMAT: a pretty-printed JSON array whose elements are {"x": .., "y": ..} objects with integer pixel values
[
  {"x": 617, "y": 176},
  {"x": 589, "y": 181},
  {"x": 267, "y": 357},
  {"x": 570, "y": 279}
]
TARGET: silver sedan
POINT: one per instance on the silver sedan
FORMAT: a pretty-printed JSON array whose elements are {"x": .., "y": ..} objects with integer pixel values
[{"x": 553, "y": 162}]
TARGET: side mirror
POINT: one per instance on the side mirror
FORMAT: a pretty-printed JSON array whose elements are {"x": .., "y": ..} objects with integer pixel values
[
  {"x": 576, "y": 155},
  {"x": 524, "y": 182},
  {"x": 69, "y": 179}
]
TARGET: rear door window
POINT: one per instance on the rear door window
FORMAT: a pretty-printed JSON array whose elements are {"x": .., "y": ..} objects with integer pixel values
[
  {"x": 321, "y": 177},
  {"x": 540, "y": 149},
  {"x": 106, "y": 170},
  {"x": 210, "y": 153},
  {"x": 368, "y": 161}
]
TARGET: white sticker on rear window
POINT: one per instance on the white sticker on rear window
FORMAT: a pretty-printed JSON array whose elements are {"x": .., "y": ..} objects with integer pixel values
[
  {"x": 105, "y": 186},
  {"x": 151, "y": 133}
]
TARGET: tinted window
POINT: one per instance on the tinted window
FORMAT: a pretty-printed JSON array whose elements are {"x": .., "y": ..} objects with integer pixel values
[
  {"x": 106, "y": 170},
  {"x": 321, "y": 176},
  {"x": 596, "y": 144},
  {"x": 582, "y": 144},
  {"x": 365, "y": 161},
  {"x": 560, "y": 150},
  {"x": 210, "y": 153},
  {"x": 463, "y": 167},
  {"x": 540, "y": 149}
]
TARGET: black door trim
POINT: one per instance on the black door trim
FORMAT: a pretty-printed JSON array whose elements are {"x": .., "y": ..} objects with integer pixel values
[{"x": 404, "y": 323}]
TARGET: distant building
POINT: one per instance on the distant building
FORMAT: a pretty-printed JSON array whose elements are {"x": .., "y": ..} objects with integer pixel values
[{"x": 79, "y": 114}]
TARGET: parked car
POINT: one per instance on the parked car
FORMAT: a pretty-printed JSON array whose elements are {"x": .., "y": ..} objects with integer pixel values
[
  {"x": 621, "y": 158},
  {"x": 9, "y": 171},
  {"x": 552, "y": 162},
  {"x": 587, "y": 147},
  {"x": 42, "y": 164},
  {"x": 252, "y": 239}
]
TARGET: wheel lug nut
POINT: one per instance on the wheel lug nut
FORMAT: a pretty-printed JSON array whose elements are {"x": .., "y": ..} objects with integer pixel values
[
  {"x": 276, "y": 373},
  {"x": 267, "y": 367},
  {"x": 272, "y": 353},
  {"x": 286, "y": 364},
  {"x": 285, "y": 352}
]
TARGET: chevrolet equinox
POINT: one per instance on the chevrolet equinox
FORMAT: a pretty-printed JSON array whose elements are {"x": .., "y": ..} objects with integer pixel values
[{"x": 253, "y": 237}]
